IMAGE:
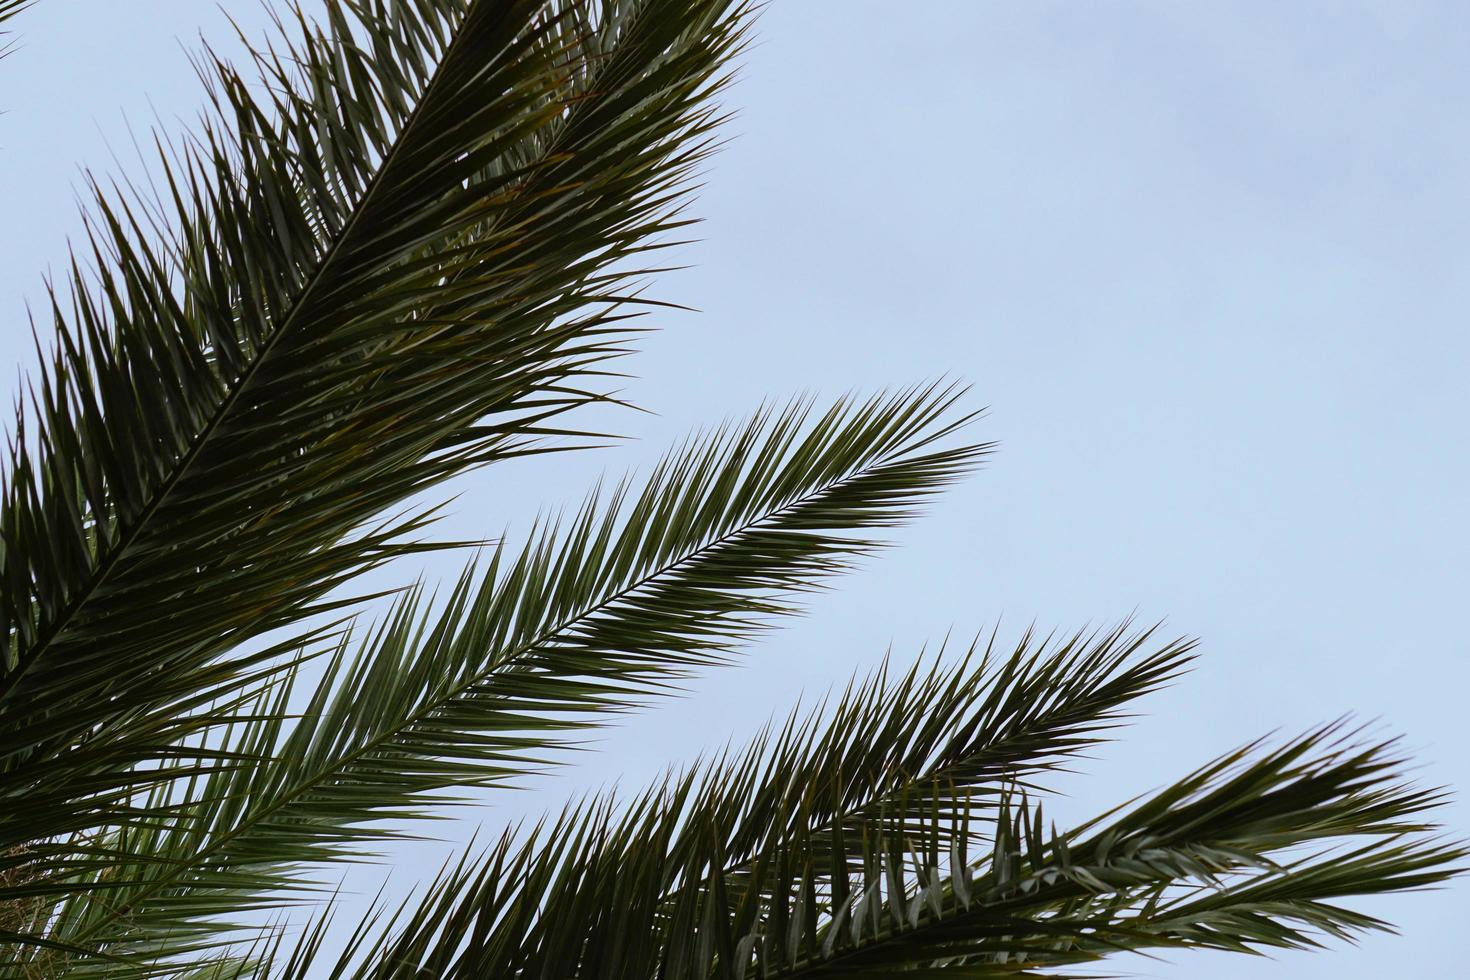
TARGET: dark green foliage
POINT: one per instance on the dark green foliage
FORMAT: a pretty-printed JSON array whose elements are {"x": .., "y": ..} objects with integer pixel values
[
  {"x": 405, "y": 244},
  {"x": 396, "y": 268}
]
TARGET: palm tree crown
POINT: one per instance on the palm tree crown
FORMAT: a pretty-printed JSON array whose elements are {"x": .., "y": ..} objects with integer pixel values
[{"x": 405, "y": 242}]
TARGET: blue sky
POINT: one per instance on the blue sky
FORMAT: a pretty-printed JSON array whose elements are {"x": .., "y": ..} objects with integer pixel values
[{"x": 1204, "y": 263}]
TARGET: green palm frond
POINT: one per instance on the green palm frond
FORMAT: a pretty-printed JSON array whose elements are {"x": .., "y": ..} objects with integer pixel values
[
  {"x": 600, "y": 887},
  {"x": 403, "y": 254},
  {"x": 894, "y": 840},
  {"x": 405, "y": 242},
  {"x": 1251, "y": 852},
  {"x": 586, "y": 621}
]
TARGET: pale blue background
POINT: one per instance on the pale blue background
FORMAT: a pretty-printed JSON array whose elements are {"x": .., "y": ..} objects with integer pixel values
[{"x": 1206, "y": 262}]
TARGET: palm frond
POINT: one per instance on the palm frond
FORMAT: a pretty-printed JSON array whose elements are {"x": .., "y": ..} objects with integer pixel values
[
  {"x": 628, "y": 893},
  {"x": 1253, "y": 851},
  {"x": 586, "y": 621},
  {"x": 400, "y": 255},
  {"x": 405, "y": 242},
  {"x": 929, "y": 874}
]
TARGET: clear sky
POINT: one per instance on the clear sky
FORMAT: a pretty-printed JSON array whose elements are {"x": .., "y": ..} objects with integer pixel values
[{"x": 1206, "y": 263}]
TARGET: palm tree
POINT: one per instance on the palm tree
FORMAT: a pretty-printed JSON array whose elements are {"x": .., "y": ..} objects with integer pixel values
[{"x": 406, "y": 243}]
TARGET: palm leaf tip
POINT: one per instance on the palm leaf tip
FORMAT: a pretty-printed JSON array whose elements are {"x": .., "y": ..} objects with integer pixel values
[{"x": 8, "y": 9}]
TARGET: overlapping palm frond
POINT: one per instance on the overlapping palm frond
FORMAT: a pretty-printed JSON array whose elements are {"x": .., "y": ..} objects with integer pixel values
[
  {"x": 898, "y": 838},
  {"x": 584, "y": 622},
  {"x": 890, "y": 754},
  {"x": 1252, "y": 852},
  {"x": 404, "y": 253},
  {"x": 405, "y": 243}
]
